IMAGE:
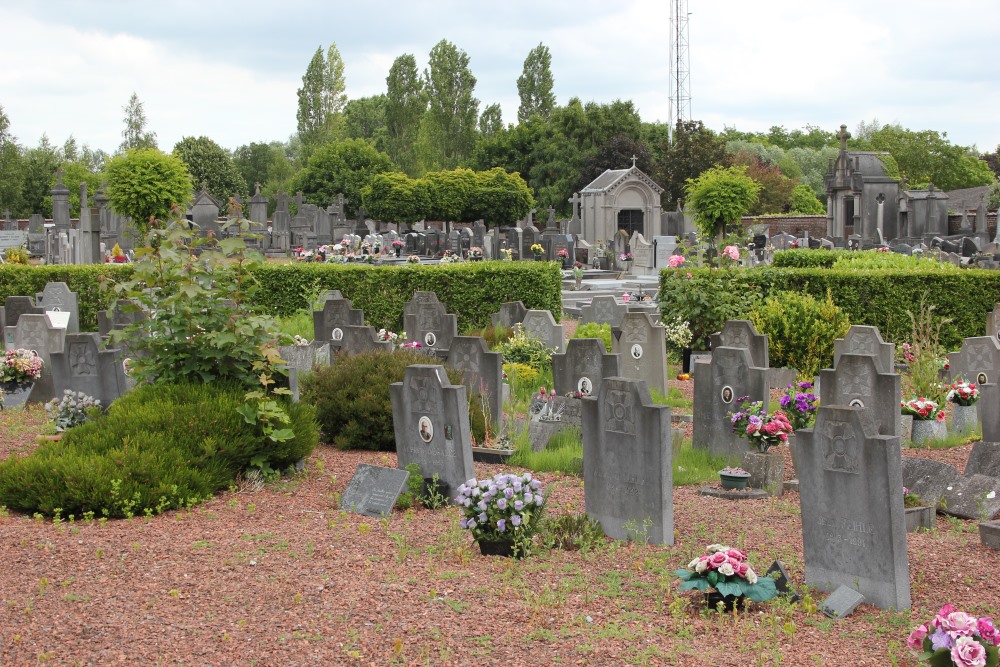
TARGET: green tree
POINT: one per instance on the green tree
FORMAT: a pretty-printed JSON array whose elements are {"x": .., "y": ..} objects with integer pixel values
[
  {"x": 395, "y": 197},
  {"x": 364, "y": 118},
  {"x": 534, "y": 86},
  {"x": 500, "y": 198},
  {"x": 11, "y": 168},
  {"x": 144, "y": 184},
  {"x": 491, "y": 121},
  {"x": 615, "y": 153},
  {"x": 813, "y": 165},
  {"x": 450, "y": 194},
  {"x": 804, "y": 201},
  {"x": 405, "y": 105},
  {"x": 695, "y": 149},
  {"x": 321, "y": 100},
  {"x": 38, "y": 171},
  {"x": 453, "y": 114},
  {"x": 719, "y": 197},
  {"x": 341, "y": 167},
  {"x": 334, "y": 85},
  {"x": 209, "y": 164},
  {"x": 775, "y": 187},
  {"x": 135, "y": 134}
]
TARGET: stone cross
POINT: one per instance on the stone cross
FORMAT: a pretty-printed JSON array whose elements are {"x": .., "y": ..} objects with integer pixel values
[
  {"x": 634, "y": 158},
  {"x": 843, "y": 136}
]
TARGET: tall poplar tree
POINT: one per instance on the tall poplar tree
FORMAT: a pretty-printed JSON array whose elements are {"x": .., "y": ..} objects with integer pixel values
[
  {"x": 534, "y": 86},
  {"x": 321, "y": 99},
  {"x": 405, "y": 105},
  {"x": 454, "y": 111}
]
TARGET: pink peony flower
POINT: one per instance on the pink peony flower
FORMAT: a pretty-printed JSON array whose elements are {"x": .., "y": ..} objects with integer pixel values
[
  {"x": 959, "y": 624},
  {"x": 967, "y": 652},
  {"x": 916, "y": 639},
  {"x": 988, "y": 631},
  {"x": 675, "y": 261},
  {"x": 741, "y": 569},
  {"x": 736, "y": 555}
]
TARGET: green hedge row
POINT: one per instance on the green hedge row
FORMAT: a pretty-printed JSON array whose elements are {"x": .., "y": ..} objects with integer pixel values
[
  {"x": 882, "y": 299},
  {"x": 472, "y": 290}
]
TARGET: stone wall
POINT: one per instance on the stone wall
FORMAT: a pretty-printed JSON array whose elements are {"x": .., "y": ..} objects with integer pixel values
[{"x": 792, "y": 224}]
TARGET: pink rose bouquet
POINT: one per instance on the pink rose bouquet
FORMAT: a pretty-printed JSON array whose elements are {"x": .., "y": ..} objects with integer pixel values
[
  {"x": 726, "y": 570},
  {"x": 955, "y": 638},
  {"x": 675, "y": 261},
  {"x": 761, "y": 429},
  {"x": 963, "y": 393}
]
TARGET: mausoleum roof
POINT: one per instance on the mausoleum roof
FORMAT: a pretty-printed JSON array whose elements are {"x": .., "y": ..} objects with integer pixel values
[{"x": 611, "y": 178}]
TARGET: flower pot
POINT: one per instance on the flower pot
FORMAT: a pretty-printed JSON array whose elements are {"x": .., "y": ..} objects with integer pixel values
[
  {"x": 767, "y": 471},
  {"x": 539, "y": 258},
  {"x": 15, "y": 393},
  {"x": 733, "y": 482},
  {"x": 906, "y": 428},
  {"x": 964, "y": 419},
  {"x": 398, "y": 250},
  {"x": 491, "y": 455},
  {"x": 729, "y": 602},
  {"x": 919, "y": 517},
  {"x": 497, "y": 548},
  {"x": 926, "y": 430}
]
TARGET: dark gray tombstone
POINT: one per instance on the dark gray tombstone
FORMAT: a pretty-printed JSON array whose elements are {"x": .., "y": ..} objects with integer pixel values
[
  {"x": 84, "y": 366},
  {"x": 842, "y": 602},
  {"x": 540, "y": 324},
  {"x": 782, "y": 241},
  {"x": 988, "y": 409},
  {"x": 975, "y": 497},
  {"x": 34, "y": 332},
  {"x": 984, "y": 460},
  {"x": 431, "y": 419},
  {"x": 927, "y": 478},
  {"x": 583, "y": 367},
  {"x": 782, "y": 582},
  {"x": 603, "y": 309},
  {"x": 336, "y": 314},
  {"x": 427, "y": 322},
  {"x": 642, "y": 350},
  {"x": 58, "y": 297},
  {"x": 627, "y": 468},
  {"x": 741, "y": 333},
  {"x": 358, "y": 339},
  {"x": 373, "y": 490},
  {"x": 853, "y": 524},
  {"x": 205, "y": 211},
  {"x": 511, "y": 313},
  {"x": 718, "y": 386},
  {"x": 978, "y": 361},
  {"x": 482, "y": 372},
  {"x": 122, "y": 315},
  {"x": 867, "y": 342},
  {"x": 14, "y": 308},
  {"x": 857, "y": 382}
]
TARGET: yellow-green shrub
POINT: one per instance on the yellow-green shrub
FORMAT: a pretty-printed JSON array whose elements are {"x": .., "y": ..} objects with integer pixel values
[{"x": 800, "y": 330}]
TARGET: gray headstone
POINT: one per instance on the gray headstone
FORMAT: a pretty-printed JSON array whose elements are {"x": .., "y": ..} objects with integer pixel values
[
  {"x": 336, "y": 314},
  {"x": 583, "y": 367},
  {"x": 857, "y": 382},
  {"x": 984, "y": 460},
  {"x": 430, "y": 417},
  {"x": 84, "y": 366},
  {"x": 974, "y": 497},
  {"x": 33, "y": 332},
  {"x": 927, "y": 478},
  {"x": 603, "y": 309},
  {"x": 358, "y": 339},
  {"x": 15, "y": 306},
  {"x": 511, "y": 313},
  {"x": 642, "y": 351},
  {"x": 482, "y": 372},
  {"x": 988, "y": 409},
  {"x": 426, "y": 320},
  {"x": 993, "y": 322},
  {"x": 741, "y": 333},
  {"x": 58, "y": 297},
  {"x": 842, "y": 602},
  {"x": 978, "y": 361},
  {"x": 373, "y": 490},
  {"x": 853, "y": 524},
  {"x": 867, "y": 342},
  {"x": 718, "y": 386},
  {"x": 627, "y": 470},
  {"x": 541, "y": 325}
]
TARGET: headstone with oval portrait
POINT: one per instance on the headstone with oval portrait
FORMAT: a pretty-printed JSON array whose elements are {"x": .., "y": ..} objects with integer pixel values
[
  {"x": 642, "y": 348},
  {"x": 427, "y": 321},
  {"x": 583, "y": 367},
  {"x": 336, "y": 314},
  {"x": 857, "y": 381},
  {"x": 430, "y": 417},
  {"x": 359, "y": 339},
  {"x": 978, "y": 361},
  {"x": 718, "y": 387}
]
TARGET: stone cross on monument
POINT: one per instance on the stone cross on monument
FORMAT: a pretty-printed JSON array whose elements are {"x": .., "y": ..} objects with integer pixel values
[
  {"x": 299, "y": 200},
  {"x": 843, "y": 136},
  {"x": 340, "y": 206},
  {"x": 634, "y": 158}
]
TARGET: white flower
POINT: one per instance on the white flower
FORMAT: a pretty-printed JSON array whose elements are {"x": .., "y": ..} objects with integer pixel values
[
  {"x": 692, "y": 564},
  {"x": 712, "y": 548},
  {"x": 701, "y": 566},
  {"x": 727, "y": 569},
  {"x": 751, "y": 577}
]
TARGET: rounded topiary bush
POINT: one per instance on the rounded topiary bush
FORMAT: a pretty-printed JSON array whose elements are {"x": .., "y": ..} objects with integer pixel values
[
  {"x": 801, "y": 330},
  {"x": 352, "y": 399},
  {"x": 159, "y": 447}
]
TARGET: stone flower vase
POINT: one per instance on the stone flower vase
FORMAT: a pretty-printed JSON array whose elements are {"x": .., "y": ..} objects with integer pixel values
[
  {"x": 964, "y": 419},
  {"x": 926, "y": 430},
  {"x": 767, "y": 471},
  {"x": 15, "y": 393}
]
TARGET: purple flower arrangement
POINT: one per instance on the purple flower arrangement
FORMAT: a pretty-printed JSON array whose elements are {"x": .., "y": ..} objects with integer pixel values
[
  {"x": 800, "y": 404},
  {"x": 504, "y": 508},
  {"x": 954, "y": 637}
]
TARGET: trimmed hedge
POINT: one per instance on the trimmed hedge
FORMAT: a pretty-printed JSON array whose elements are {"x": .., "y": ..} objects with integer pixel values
[
  {"x": 876, "y": 298},
  {"x": 471, "y": 290}
]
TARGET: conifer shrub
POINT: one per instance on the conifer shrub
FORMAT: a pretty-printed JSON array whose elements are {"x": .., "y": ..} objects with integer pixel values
[{"x": 157, "y": 448}]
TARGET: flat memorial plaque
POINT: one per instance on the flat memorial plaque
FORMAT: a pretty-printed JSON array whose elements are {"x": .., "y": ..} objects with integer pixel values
[
  {"x": 373, "y": 490},
  {"x": 842, "y": 602}
]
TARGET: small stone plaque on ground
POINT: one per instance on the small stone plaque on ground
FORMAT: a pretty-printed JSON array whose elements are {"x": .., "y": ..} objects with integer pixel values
[
  {"x": 842, "y": 602},
  {"x": 373, "y": 490}
]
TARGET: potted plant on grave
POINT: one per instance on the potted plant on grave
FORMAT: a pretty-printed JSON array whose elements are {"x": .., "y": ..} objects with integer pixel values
[
  {"x": 800, "y": 405},
  {"x": 538, "y": 251},
  {"x": 762, "y": 430},
  {"x": 18, "y": 371},
  {"x": 578, "y": 275},
  {"x": 397, "y": 247},
  {"x": 502, "y": 513},
  {"x": 475, "y": 254},
  {"x": 72, "y": 409},
  {"x": 963, "y": 396},
  {"x": 563, "y": 255},
  {"x": 955, "y": 638},
  {"x": 626, "y": 259},
  {"x": 917, "y": 513},
  {"x": 734, "y": 479},
  {"x": 726, "y": 579},
  {"x": 928, "y": 419}
]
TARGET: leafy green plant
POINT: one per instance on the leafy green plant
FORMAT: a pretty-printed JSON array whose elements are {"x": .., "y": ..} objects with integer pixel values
[
  {"x": 572, "y": 532},
  {"x": 16, "y": 256},
  {"x": 563, "y": 453},
  {"x": 801, "y": 330},
  {"x": 706, "y": 298},
  {"x": 595, "y": 330},
  {"x": 524, "y": 349},
  {"x": 493, "y": 335},
  {"x": 923, "y": 372}
]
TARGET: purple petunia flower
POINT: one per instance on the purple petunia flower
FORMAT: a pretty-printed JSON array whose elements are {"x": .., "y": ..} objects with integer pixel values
[
  {"x": 516, "y": 520},
  {"x": 940, "y": 639},
  {"x": 501, "y": 525},
  {"x": 502, "y": 503}
]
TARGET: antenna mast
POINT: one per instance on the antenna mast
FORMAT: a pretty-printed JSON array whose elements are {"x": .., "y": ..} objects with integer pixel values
[{"x": 680, "y": 72}]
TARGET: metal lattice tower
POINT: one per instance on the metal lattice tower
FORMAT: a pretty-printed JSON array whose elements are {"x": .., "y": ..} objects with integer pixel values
[{"x": 680, "y": 72}]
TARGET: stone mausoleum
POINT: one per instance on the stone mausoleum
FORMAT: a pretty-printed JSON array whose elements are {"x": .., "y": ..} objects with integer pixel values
[{"x": 620, "y": 199}]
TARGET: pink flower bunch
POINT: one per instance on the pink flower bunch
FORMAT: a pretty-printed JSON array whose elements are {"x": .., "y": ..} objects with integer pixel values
[
  {"x": 968, "y": 641},
  {"x": 922, "y": 409},
  {"x": 675, "y": 261},
  {"x": 963, "y": 393},
  {"x": 726, "y": 561},
  {"x": 732, "y": 252},
  {"x": 20, "y": 365},
  {"x": 763, "y": 430}
]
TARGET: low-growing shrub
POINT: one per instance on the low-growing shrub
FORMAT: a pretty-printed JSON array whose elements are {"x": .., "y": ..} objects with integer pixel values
[
  {"x": 801, "y": 330},
  {"x": 806, "y": 258},
  {"x": 493, "y": 335},
  {"x": 524, "y": 349},
  {"x": 352, "y": 399},
  {"x": 157, "y": 448},
  {"x": 595, "y": 330}
]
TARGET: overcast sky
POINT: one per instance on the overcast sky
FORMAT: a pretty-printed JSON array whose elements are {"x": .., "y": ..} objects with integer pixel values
[{"x": 230, "y": 70}]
